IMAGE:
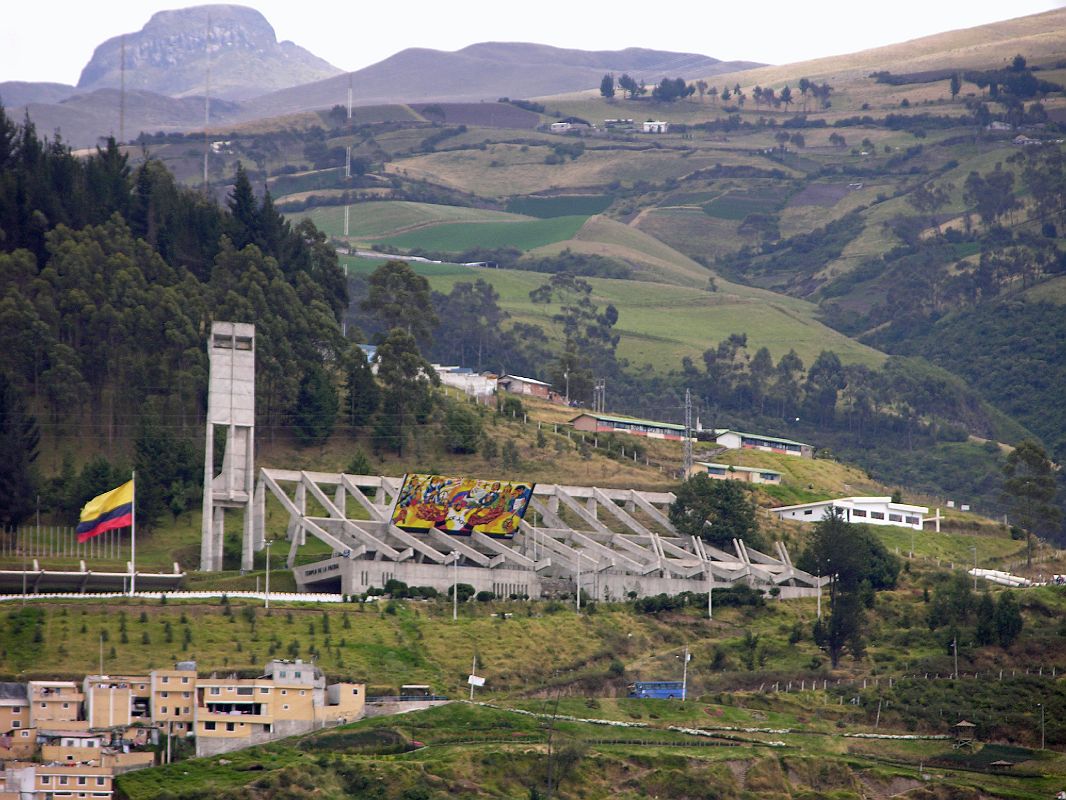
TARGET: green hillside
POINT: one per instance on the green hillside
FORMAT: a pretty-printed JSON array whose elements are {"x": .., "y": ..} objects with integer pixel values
[{"x": 658, "y": 323}]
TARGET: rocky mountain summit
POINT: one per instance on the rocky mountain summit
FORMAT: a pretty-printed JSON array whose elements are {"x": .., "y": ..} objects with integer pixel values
[{"x": 174, "y": 52}]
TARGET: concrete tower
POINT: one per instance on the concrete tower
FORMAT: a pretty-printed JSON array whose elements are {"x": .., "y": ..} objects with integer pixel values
[{"x": 231, "y": 405}]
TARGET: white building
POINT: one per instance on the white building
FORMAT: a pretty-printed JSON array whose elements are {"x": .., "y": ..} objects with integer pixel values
[
  {"x": 466, "y": 380},
  {"x": 736, "y": 440},
  {"x": 871, "y": 510},
  {"x": 656, "y": 126}
]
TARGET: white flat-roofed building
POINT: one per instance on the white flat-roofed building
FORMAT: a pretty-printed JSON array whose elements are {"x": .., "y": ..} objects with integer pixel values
[
  {"x": 737, "y": 440},
  {"x": 871, "y": 510}
]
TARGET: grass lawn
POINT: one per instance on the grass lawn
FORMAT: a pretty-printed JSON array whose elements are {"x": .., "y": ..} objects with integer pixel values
[
  {"x": 389, "y": 217},
  {"x": 456, "y": 237}
]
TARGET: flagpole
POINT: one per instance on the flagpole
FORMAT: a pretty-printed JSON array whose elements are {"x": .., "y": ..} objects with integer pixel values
[{"x": 133, "y": 535}]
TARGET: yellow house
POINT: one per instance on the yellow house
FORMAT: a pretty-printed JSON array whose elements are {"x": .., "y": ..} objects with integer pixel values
[
  {"x": 14, "y": 707},
  {"x": 118, "y": 701},
  {"x": 53, "y": 702},
  {"x": 73, "y": 781},
  {"x": 173, "y": 697}
]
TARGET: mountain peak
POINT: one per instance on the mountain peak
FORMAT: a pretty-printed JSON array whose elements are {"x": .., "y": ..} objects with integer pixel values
[{"x": 173, "y": 52}]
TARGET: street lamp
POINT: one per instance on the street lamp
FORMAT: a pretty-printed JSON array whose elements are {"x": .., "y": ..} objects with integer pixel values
[
  {"x": 266, "y": 598},
  {"x": 455, "y": 585},
  {"x": 1042, "y": 739}
]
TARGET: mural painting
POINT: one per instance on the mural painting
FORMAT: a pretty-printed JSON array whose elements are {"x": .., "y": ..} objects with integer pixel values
[{"x": 460, "y": 506}]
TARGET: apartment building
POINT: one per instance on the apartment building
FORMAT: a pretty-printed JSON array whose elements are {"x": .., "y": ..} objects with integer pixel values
[
  {"x": 292, "y": 697},
  {"x": 56, "y": 705},
  {"x": 172, "y": 693},
  {"x": 116, "y": 701},
  {"x": 29, "y": 781}
]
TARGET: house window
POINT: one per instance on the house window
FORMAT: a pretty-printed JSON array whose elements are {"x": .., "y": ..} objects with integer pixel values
[
  {"x": 284, "y": 692},
  {"x": 66, "y": 705},
  {"x": 100, "y": 781},
  {"x": 44, "y": 705},
  {"x": 62, "y": 780},
  {"x": 214, "y": 690},
  {"x": 895, "y": 518},
  {"x": 283, "y": 673},
  {"x": 302, "y": 693},
  {"x": 185, "y": 679},
  {"x": 285, "y": 707},
  {"x": 264, "y": 690},
  {"x": 355, "y": 691},
  {"x": 876, "y": 515},
  {"x": 166, "y": 679},
  {"x": 15, "y": 723},
  {"x": 209, "y": 726},
  {"x": 166, "y": 694},
  {"x": 46, "y": 779},
  {"x": 297, "y": 674},
  {"x": 163, "y": 710},
  {"x": 81, "y": 780},
  {"x": 858, "y": 512},
  {"x": 807, "y": 512},
  {"x": 230, "y": 726},
  {"x": 913, "y": 521},
  {"x": 187, "y": 709}
]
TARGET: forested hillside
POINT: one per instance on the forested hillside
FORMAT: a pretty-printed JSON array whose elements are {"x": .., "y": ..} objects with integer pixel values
[{"x": 110, "y": 279}]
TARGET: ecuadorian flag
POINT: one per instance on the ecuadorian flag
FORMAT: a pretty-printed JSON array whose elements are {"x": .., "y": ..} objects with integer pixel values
[{"x": 106, "y": 512}]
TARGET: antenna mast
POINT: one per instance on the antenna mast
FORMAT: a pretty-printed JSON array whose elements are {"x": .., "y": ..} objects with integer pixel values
[
  {"x": 687, "y": 466},
  {"x": 349, "y": 96},
  {"x": 122, "y": 93},
  {"x": 207, "y": 99}
]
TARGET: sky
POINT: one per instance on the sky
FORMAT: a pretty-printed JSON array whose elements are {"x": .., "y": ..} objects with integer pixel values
[{"x": 52, "y": 41}]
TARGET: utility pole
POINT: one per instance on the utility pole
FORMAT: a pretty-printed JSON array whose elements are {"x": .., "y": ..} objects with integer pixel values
[
  {"x": 684, "y": 676},
  {"x": 687, "y": 445},
  {"x": 349, "y": 96},
  {"x": 347, "y": 168},
  {"x": 207, "y": 98},
  {"x": 1042, "y": 737},
  {"x": 267, "y": 598},
  {"x": 578, "y": 583},
  {"x": 455, "y": 585},
  {"x": 122, "y": 93},
  {"x": 955, "y": 647}
]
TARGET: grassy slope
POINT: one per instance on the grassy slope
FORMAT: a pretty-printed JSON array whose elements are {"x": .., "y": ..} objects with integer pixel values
[
  {"x": 658, "y": 323},
  {"x": 494, "y": 752},
  {"x": 374, "y": 220}
]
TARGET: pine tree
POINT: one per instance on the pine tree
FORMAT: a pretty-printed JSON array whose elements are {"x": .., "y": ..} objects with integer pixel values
[
  {"x": 19, "y": 439},
  {"x": 316, "y": 407},
  {"x": 244, "y": 228}
]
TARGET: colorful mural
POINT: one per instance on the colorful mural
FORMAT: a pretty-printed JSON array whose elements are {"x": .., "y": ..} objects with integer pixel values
[{"x": 460, "y": 505}]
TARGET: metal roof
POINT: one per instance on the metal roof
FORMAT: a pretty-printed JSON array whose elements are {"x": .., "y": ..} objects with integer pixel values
[{"x": 632, "y": 421}]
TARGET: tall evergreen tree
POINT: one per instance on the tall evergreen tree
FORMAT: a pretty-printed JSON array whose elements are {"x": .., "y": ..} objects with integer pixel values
[
  {"x": 19, "y": 439},
  {"x": 244, "y": 228},
  {"x": 316, "y": 406},
  {"x": 1029, "y": 487}
]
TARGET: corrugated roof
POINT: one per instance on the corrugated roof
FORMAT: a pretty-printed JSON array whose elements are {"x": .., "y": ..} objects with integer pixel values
[
  {"x": 720, "y": 431},
  {"x": 525, "y": 380},
  {"x": 738, "y": 468},
  {"x": 632, "y": 421},
  {"x": 13, "y": 691}
]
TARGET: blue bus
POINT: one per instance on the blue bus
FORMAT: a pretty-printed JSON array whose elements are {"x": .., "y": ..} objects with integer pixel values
[{"x": 662, "y": 690}]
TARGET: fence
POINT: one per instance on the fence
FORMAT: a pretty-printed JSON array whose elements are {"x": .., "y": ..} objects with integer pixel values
[
  {"x": 280, "y": 597},
  {"x": 53, "y": 541}
]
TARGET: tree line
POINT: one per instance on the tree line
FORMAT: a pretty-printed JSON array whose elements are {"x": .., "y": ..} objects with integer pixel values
[{"x": 109, "y": 280}]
